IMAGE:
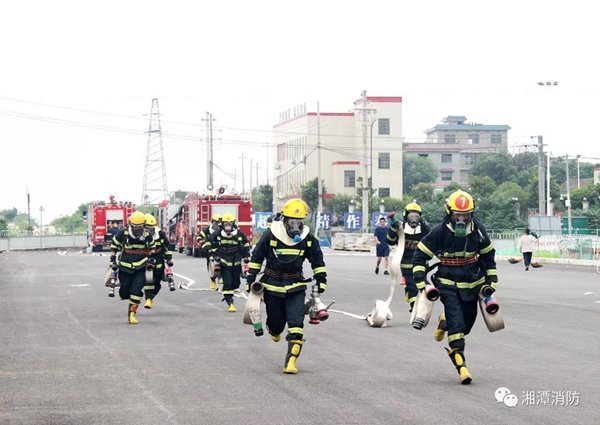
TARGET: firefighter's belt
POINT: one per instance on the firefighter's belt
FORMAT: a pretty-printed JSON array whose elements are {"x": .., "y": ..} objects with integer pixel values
[
  {"x": 458, "y": 261},
  {"x": 137, "y": 251},
  {"x": 411, "y": 244},
  {"x": 281, "y": 276}
]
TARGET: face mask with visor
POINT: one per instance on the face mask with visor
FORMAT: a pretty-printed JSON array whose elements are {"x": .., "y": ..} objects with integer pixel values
[
  {"x": 137, "y": 230},
  {"x": 294, "y": 227},
  {"x": 413, "y": 219},
  {"x": 460, "y": 220}
]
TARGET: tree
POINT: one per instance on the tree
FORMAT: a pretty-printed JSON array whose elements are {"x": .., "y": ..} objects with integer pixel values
[
  {"x": 338, "y": 205},
  {"x": 10, "y": 214},
  {"x": 262, "y": 198},
  {"x": 422, "y": 192},
  {"x": 415, "y": 170},
  {"x": 498, "y": 166},
  {"x": 481, "y": 186},
  {"x": 310, "y": 193}
]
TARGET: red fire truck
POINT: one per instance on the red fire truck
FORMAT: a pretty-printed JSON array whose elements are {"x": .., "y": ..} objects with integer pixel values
[
  {"x": 103, "y": 217},
  {"x": 196, "y": 212}
]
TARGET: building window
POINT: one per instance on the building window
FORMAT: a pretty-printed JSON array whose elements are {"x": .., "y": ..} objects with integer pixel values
[
  {"x": 384, "y": 160},
  {"x": 423, "y": 155},
  {"x": 384, "y": 126},
  {"x": 450, "y": 138},
  {"x": 446, "y": 176},
  {"x": 470, "y": 158},
  {"x": 496, "y": 139},
  {"x": 446, "y": 158},
  {"x": 473, "y": 139},
  {"x": 464, "y": 176},
  {"x": 384, "y": 192},
  {"x": 349, "y": 178}
]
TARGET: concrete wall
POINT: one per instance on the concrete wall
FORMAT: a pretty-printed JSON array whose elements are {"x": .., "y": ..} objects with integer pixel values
[{"x": 42, "y": 242}]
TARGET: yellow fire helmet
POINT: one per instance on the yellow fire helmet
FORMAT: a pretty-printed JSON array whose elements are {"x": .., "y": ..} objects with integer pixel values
[
  {"x": 216, "y": 217},
  {"x": 460, "y": 201},
  {"x": 228, "y": 217},
  {"x": 412, "y": 207},
  {"x": 295, "y": 208},
  {"x": 150, "y": 220},
  {"x": 137, "y": 218}
]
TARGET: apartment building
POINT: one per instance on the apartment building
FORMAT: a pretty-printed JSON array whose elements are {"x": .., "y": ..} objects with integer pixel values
[
  {"x": 344, "y": 143},
  {"x": 455, "y": 144}
]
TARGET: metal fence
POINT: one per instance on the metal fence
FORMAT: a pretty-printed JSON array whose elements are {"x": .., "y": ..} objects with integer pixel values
[{"x": 43, "y": 242}]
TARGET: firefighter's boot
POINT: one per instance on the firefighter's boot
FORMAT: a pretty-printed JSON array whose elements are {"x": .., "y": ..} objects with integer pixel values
[
  {"x": 276, "y": 338},
  {"x": 440, "y": 331},
  {"x": 458, "y": 359},
  {"x": 294, "y": 348},
  {"x": 213, "y": 285},
  {"x": 149, "y": 303},
  {"x": 232, "y": 308},
  {"x": 132, "y": 310}
]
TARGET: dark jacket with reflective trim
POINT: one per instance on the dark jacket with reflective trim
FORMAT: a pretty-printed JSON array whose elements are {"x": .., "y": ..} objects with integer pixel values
[
  {"x": 288, "y": 260},
  {"x": 134, "y": 252},
  {"x": 442, "y": 243},
  {"x": 229, "y": 250},
  {"x": 411, "y": 240},
  {"x": 160, "y": 248}
]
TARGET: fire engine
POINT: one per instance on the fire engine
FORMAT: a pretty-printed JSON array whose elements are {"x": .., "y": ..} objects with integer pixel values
[
  {"x": 103, "y": 217},
  {"x": 195, "y": 214}
]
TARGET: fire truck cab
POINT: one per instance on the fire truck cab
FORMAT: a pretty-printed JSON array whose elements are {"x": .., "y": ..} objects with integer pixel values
[
  {"x": 196, "y": 212},
  {"x": 105, "y": 219}
]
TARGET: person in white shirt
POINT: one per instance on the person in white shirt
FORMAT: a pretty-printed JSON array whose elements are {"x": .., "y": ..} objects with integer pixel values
[{"x": 526, "y": 245}]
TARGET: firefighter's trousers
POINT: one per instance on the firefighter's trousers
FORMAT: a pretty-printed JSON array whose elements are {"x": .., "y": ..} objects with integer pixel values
[
  {"x": 460, "y": 314},
  {"x": 410, "y": 288},
  {"x": 231, "y": 281},
  {"x": 287, "y": 309},
  {"x": 132, "y": 285},
  {"x": 153, "y": 289}
]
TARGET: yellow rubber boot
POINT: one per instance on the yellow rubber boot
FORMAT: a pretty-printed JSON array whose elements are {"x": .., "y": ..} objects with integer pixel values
[
  {"x": 276, "y": 338},
  {"x": 132, "y": 310},
  {"x": 294, "y": 348},
  {"x": 232, "y": 308},
  {"x": 149, "y": 303},
  {"x": 440, "y": 331},
  {"x": 458, "y": 359},
  {"x": 213, "y": 285}
]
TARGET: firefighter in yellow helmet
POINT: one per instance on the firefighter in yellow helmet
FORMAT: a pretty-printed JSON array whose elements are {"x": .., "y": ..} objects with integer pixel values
[
  {"x": 135, "y": 246},
  {"x": 415, "y": 227},
  {"x": 160, "y": 254},
  {"x": 229, "y": 246},
  {"x": 467, "y": 267},
  {"x": 202, "y": 239},
  {"x": 283, "y": 248}
]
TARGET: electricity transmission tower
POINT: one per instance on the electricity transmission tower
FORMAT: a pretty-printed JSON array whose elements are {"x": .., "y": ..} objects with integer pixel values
[{"x": 155, "y": 172}]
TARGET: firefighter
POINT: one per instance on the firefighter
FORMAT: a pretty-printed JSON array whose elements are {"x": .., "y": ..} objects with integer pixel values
[
  {"x": 284, "y": 247},
  {"x": 161, "y": 253},
  {"x": 229, "y": 246},
  {"x": 202, "y": 239},
  {"x": 135, "y": 246},
  {"x": 467, "y": 266},
  {"x": 415, "y": 228}
]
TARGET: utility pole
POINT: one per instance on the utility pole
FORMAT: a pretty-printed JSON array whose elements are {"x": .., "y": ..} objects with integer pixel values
[
  {"x": 28, "y": 212},
  {"x": 319, "y": 182},
  {"x": 42, "y": 225},
  {"x": 548, "y": 198},
  {"x": 568, "y": 203},
  {"x": 250, "y": 179},
  {"x": 541, "y": 203},
  {"x": 243, "y": 186},
  {"x": 365, "y": 172},
  {"x": 210, "y": 175}
]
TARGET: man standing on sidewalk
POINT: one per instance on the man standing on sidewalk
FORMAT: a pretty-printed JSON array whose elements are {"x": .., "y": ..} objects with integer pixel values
[{"x": 382, "y": 247}]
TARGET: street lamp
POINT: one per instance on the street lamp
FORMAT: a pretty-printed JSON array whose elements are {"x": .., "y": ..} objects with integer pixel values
[
  {"x": 382, "y": 207},
  {"x": 568, "y": 201},
  {"x": 517, "y": 206},
  {"x": 351, "y": 206},
  {"x": 366, "y": 115},
  {"x": 371, "y": 164}
]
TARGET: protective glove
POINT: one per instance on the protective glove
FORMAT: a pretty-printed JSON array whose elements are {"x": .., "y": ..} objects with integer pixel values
[
  {"x": 151, "y": 263},
  {"x": 250, "y": 279},
  {"x": 170, "y": 262},
  {"x": 322, "y": 282},
  {"x": 395, "y": 224},
  {"x": 113, "y": 262},
  {"x": 246, "y": 260},
  {"x": 420, "y": 280}
]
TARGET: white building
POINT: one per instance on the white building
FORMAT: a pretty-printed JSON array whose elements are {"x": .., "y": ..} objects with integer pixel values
[{"x": 369, "y": 135}]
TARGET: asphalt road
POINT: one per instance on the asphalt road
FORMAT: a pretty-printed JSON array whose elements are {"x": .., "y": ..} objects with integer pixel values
[{"x": 68, "y": 355}]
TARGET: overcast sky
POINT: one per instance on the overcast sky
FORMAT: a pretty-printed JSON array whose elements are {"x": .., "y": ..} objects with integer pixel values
[{"x": 77, "y": 81}]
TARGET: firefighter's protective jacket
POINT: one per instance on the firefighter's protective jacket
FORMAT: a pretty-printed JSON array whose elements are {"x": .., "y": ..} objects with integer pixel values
[
  {"x": 160, "y": 248},
  {"x": 466, "y": 262},
  {"x": 134, "y": 252},
  {"x": 231, "y": 249},
  {"x": 412, "y": 237},
  {"x": 284, "y": 260}
]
